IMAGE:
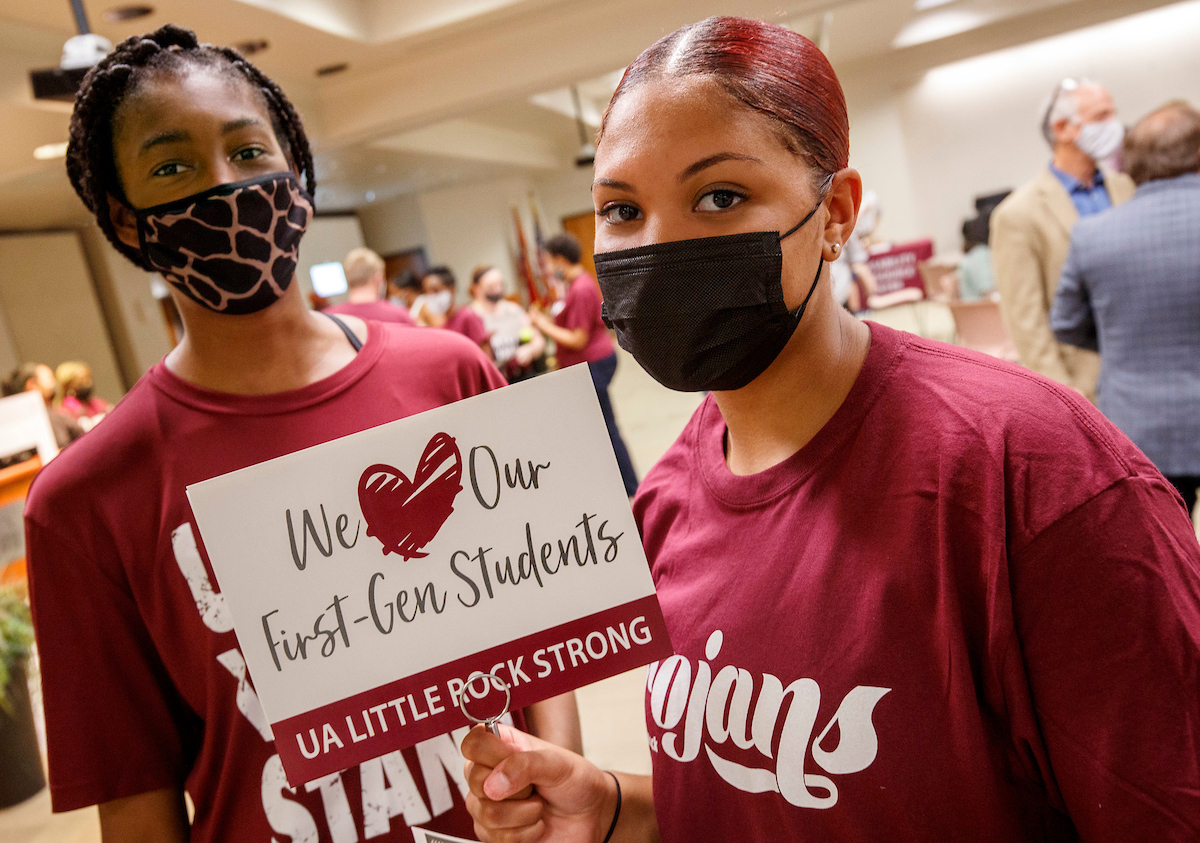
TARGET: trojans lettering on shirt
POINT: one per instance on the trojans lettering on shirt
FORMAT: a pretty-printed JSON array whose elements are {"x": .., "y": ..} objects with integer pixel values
[
  {"x": 388, "y": 789},
  {"x": 714, "y": 710}
]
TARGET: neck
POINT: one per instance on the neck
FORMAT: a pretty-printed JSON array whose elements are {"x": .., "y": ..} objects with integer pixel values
[
  {"x": 282, "y": 347},
  {"x": 1071, "y": 161},
  {"x": 363, "y": 295},
  {"x": 780, "y": 412}
]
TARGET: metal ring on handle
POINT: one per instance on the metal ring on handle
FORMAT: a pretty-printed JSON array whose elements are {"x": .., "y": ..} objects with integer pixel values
[{"x": 490, "y": 722}]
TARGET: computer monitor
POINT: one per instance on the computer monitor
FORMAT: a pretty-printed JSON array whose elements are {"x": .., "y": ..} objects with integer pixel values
[{"x": 328, "y": 279}]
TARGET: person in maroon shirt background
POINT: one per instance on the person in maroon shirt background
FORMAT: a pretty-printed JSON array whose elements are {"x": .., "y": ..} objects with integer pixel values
[
  {"x": 196, "y": 166},
  {"x": 915, "y": 593},
  {"x": 581, "y": 337},
  {"x": 442, "y": 309},
  {"x": 364, "y": 299}
]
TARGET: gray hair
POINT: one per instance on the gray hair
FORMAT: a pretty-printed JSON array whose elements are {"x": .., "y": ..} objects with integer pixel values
[
  {"x": 1164, "y": 144},
  {"x": 1063, "y": 104}
]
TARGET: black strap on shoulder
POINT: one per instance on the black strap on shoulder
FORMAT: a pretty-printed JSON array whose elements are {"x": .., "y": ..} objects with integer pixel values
[{"x": 355, "y": 342}]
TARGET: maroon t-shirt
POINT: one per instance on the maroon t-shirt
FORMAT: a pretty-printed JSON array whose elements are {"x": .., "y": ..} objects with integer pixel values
[
  {"x": 378, "y": 311},
  {"x": 968, "y": 609},
  {"x": 466, "y": 321},
  {"x": 144, "y": 684},
  {"x": 581, "y": 309}
]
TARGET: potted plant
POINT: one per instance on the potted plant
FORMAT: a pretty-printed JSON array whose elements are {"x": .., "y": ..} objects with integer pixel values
[{"x": 20, "y": 760}]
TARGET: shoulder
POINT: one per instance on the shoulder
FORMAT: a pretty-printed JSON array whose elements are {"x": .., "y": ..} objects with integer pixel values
[
  {"x": 435, "y": 355},
  {"x": 1016, "y": 206},
  {"x": 992, "y": 419},
  {"x": 126, "y": 439}
]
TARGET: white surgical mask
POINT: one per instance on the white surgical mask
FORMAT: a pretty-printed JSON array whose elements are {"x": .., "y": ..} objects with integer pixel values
[
  {"x": 439, "y": 303},
  {"x": 1100, "y": 140}
]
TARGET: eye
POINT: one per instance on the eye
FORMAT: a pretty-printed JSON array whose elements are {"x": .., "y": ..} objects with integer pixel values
[
  {"x": 248, "y": 154},
  {"x": 719, "y": 200},
  {"x": 170, "y": 169},
  {"x": 618, "y": 213}
]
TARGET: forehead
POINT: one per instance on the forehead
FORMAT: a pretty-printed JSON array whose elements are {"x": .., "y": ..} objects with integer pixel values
[
  {"x": 1093, "y": 98},
  {"x": 186, "y": 97},
  {"x": 684, "y": 118}
]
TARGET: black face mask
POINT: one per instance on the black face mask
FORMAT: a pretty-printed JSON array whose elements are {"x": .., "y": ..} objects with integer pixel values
[{"x": 702, "y": 314}]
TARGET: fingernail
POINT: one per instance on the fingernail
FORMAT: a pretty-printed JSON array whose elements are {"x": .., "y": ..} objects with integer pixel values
[{"x": 496, "y": 786}]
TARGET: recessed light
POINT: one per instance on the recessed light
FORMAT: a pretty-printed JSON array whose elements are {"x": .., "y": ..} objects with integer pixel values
[
  {"x": 120, "y": 14},
  {"x": 249, "y": 48},
  {"x": 330, "y": 69},
  {"x": 922, "y": 5},
  {"x": 50, "y": 151}
]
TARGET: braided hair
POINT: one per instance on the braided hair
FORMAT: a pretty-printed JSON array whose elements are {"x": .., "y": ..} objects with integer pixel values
[{"x": 91, "y": 162}]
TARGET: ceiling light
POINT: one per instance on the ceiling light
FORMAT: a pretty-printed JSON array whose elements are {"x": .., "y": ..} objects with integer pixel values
[
  {"x": 923, "y": 5},
  {"x": 120, "y": 14},
  {"x": 50, "y": 151},
  {"x": 330, "y": 69},
  {"x": 249, "y": 48},
  {"x": 934, "y": 27}
]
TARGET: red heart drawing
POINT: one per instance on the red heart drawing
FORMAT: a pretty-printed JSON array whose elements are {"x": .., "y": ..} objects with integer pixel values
[{"x": 406, "y": 514}]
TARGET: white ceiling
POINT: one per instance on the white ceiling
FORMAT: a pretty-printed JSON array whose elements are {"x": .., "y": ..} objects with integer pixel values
[{"x": 438, "y": 93}]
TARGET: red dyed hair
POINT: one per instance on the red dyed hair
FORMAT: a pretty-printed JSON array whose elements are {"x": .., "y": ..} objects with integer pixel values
[{"x": 773, "y": 70}]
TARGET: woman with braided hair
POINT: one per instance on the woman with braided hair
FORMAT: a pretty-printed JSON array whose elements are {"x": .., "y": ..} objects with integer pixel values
[{"x": 196, "y": 166}]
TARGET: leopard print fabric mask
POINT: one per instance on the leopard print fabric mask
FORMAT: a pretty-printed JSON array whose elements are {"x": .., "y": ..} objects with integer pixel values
[{"x": 233, "y": 248}]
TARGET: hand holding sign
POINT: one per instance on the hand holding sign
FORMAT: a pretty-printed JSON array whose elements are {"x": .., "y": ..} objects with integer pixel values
[{"x": 364, "y": 598}]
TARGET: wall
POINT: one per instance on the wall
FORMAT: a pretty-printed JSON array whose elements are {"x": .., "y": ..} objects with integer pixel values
[
  {"x": 327, "y": 239},
  {"x": 135, "y": 319},
  {"x": 51, "y": 307},
  {"x": 394, "y": 226},
  {"x": 470, "y": 224},
  {"x": 972, "y": 127}
]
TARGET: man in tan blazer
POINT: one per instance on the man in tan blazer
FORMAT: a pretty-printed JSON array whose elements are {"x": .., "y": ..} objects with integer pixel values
[{"x": 1031, "y": 229}]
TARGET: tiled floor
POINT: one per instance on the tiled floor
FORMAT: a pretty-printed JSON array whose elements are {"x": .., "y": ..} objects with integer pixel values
[{"x": 613, "y": 727}]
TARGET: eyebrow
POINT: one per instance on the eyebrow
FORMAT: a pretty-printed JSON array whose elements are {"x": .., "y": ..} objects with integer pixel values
[
  {"x": 180, "y": 135},
  {"x": 613, "y": 183},
  {"x": 712, "y": 161}
]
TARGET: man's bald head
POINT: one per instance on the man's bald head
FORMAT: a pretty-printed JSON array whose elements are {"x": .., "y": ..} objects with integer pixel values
[{"x": 1164, "y": 144}]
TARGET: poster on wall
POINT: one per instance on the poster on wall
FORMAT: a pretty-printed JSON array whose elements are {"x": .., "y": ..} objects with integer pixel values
[{"x": 371, "y": 577}]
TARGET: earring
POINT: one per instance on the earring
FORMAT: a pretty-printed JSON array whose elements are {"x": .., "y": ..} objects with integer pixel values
[{"x": 836, "y": 247}]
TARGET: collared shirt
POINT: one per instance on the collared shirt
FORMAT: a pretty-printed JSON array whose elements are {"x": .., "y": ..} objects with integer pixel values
[{"x": 1087, "y": 200}]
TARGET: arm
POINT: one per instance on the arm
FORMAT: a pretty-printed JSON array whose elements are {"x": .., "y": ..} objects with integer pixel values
[
  {"x": 572, "y": 338},
  {"x": 1106, "y": 606},
  {"x": 159, "y": 816},
  {"x": 1023, "y": 300},
  {"x": 1071, "y": 317},
  {"x": 556, "y": 721},
  {"x": 574, "y": 800}
]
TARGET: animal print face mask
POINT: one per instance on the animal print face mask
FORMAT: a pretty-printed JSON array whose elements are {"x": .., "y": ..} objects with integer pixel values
[{"x": 231, "y": 248}]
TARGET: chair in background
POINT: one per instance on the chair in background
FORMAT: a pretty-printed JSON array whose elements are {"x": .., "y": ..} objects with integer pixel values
[
  {"x": 940, "y": 280},
  {"x": 981, "y": 328}
]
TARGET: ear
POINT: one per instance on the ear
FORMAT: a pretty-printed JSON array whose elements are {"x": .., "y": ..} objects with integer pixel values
[
  {"x": 845, "y": 196},
  {"x": 1065, "y": 131},
  {"x": 123, "y": 222}
]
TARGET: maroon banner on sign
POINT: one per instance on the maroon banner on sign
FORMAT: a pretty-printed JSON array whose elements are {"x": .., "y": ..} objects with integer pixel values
[{"x": 405, "y": 712}]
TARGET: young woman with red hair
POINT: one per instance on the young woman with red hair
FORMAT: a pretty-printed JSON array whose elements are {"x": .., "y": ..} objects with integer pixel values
[{"x": 915, "y": 593}]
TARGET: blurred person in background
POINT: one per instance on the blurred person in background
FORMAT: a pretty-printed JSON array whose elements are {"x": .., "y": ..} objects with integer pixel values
[
  {"x": 405, "y": 290},
  {"x": 853, "y": 281},
  {"x": 38, "y": 377},
  {"x": 580, "y": 335},
  {"x": 76, "y": 395},
  {"x": 367, "y": 285},
  {"x": 1130, "y": 289},
  {"x": 975, "y": 277},
  {"x": 517, "y": 346},
  {"x": 442, "y": 310},
  {"x": 1031, "y": 229}
]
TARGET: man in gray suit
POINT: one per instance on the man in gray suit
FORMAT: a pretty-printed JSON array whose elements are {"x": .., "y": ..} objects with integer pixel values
[{"x": 1130, "y": 289}]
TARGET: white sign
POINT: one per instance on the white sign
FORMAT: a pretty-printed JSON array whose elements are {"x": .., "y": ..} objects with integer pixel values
[{"x": 371, "y": 576}]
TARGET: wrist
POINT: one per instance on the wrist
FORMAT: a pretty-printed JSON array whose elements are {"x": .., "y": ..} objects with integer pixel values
[{"x": 610, "y": 811}]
